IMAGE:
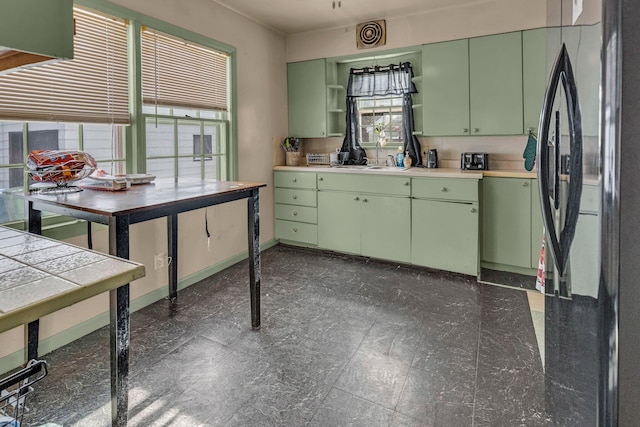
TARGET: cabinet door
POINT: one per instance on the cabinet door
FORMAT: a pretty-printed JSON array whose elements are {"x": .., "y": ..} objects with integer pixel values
[
  {"x": 506, "y": 221},
  {"x": 306, "y": 85},
  {"x": 534, "y": 76},
  {"x": 495, "y": 64},
  {"x": 537, "y": 225},
  {"x": 339, "y": 221},
  {"x": 386, "y": 227},
  {"x": 445, "y": 235},
  {"x": 445, "y": 88}
]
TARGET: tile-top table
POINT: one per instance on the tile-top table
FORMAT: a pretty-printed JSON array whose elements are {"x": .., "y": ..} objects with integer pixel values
[{"x": 39, "y": 276}]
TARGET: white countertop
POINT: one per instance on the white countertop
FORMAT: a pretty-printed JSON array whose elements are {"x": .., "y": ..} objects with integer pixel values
[
  {"x": 41, "y": 275},
  {"x": 411, "y": 172}
]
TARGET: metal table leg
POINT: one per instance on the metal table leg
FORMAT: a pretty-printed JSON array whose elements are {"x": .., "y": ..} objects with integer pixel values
[
  {"x": 254, "y": 257},
  {"x": 119, "y": 314},
  {"x": 34, "y": 219},
  {"x": 172, "y": 235}
]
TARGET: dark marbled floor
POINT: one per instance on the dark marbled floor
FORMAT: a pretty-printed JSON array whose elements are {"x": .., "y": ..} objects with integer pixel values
[{"x": 344, "y": 342}]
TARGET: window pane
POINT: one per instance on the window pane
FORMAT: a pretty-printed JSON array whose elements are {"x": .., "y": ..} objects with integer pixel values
[
  {"x": 62, "y": 136},
  {"x": 159, "y": 139},
  {"x": 161, "y": 168},
  {"x": 11, "y": 207},
  {"x": 151, "y": 109},
  {"x": 183, "y": 112},
  {"x": 187, "y": 168},
  {"x": 211, "y": 168},
  {"x": 186, "y": 132},
  {"x": 104, "y": 142}
]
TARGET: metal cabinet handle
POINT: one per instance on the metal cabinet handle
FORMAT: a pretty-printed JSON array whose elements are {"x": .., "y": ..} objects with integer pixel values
[
  {"x": 525, "y": 184},
  {"x": 295, "y": 179},
  {"x": 294, "y": 213},
  {"x": 321, "y": 179},
  {"x": 295, "y": 230},
  {"x": 356, "y": 198},
  {"x": 443, "y": 189},
  {"x": 465, "y": 130},
  {"x": 365, "y": 200},
  {"x": 294, "y": 197},
  {"x": 473, "y": 210},
  {"x": 476, "y": 130},
  {"x": 406, "y": 183}
]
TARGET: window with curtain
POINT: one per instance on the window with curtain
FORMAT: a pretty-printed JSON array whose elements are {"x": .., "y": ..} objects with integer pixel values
[
  {"x": 380, "y": 110},
  {"x": 78, "y": 104},
  {"x": 185, "y": 107}
]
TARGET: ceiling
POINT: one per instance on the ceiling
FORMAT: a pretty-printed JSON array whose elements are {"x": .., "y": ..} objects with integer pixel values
[{"x": 294, "y": 16}]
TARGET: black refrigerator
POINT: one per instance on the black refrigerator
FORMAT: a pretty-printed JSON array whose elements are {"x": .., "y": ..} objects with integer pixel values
[{"x": 588, "y": 163}]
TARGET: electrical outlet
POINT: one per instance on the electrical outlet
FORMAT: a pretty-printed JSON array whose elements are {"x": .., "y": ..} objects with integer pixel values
[{"x": 160, "y": 261}]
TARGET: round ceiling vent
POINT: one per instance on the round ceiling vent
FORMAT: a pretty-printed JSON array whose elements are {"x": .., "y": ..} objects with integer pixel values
[{"x": 371, "y": 34}]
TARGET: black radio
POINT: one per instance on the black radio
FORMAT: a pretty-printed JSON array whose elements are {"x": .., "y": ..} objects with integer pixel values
[{"x": 474, "y": 161}]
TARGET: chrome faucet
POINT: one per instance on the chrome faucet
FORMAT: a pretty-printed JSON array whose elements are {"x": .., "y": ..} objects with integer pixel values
[{"x": 393, "y": 160}]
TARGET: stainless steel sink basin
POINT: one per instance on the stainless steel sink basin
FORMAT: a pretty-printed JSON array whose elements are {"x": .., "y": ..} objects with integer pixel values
[{"x": 373, "y": 167}]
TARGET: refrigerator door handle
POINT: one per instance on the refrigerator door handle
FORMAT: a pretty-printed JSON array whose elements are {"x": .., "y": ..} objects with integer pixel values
[{"x": 560, "y": 240}]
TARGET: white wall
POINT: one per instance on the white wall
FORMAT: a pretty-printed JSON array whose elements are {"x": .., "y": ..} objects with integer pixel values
[
  {"x": 262, "y": 114},
  {"x": 477, "y": 19}
]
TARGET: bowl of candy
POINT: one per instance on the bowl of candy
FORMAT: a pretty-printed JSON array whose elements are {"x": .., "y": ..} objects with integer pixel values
[{"x": 59, "y": 167}]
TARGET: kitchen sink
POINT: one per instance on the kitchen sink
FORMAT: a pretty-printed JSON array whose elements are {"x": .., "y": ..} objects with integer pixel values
[{"x": 373, "y": 167}]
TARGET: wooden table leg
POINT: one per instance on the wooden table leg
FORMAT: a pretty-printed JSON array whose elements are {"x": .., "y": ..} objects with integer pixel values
[
  {"x": 254, "y": 257},
  {"x": 119, "y": 314},
  {"x": 172, "y": 235}
]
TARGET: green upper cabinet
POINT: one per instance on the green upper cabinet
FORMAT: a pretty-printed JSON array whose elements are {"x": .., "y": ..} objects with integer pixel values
[
  {"x": 534, "y": 76},
  {"x": 307, "y": 95},
  {"x": 495, "y": 83},
  {"x": 445, "y": 88},
  {"x": 37, "y": 27}
]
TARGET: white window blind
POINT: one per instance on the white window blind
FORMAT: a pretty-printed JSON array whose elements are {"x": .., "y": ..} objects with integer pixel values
[
  {"x": 176, "y": 73},
  {"x": 91, "y": 88}
]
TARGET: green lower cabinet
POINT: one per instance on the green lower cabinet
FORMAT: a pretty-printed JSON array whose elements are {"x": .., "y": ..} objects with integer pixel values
[
  {"x": 364, "y": 224},
  {"x": 537, "y": 225},
  {"x": 386, "y": 227},
  {"x": 339, "y": 221},
  {"x": 445, "y": 235},
  {"x": 506, "y": 221}
]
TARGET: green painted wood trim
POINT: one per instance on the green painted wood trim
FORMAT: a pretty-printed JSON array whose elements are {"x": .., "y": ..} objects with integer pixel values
[
  {"x": 510, "y": 268},
  {"x": 136, "y": 147},
  {"x": 75, "y": 332}
]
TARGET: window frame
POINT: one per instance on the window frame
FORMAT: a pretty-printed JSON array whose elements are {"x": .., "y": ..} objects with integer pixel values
[
  {"x": 135, "y": 148},
  {"x": 389, "y": 110}
]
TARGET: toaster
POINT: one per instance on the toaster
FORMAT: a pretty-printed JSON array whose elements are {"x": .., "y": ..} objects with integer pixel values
[{"x": 474, "y": 161}]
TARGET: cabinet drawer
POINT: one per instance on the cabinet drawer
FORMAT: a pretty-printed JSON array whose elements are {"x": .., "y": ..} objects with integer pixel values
[
  {"x": 297, "y": 231},
  {"x": 446, "y": 189},
  {"x": 295, "y": 179},
  {"x": 365, "y": 183},
  {"x": 296, "y": 197},
  {"x": 297, "y": 213}
]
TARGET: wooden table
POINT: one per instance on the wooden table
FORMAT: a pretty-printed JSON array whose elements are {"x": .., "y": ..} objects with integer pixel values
[
  {"x": 40, "y": 276},
  {"x": 162, "y": 198}
]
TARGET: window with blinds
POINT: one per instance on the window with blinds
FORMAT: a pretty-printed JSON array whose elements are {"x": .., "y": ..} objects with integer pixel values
[
  {"x": 91, "y": 88},
  {"x": 176, "y": 73}
]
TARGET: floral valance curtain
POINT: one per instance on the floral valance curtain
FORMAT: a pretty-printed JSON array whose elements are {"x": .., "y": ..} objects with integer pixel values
[{"x": 393, "y": 79}]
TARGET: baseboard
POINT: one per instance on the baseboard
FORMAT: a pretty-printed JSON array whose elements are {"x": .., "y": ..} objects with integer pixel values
[
  {"x": 75, "y": 332},
  {"x": 510, "y": 268}
]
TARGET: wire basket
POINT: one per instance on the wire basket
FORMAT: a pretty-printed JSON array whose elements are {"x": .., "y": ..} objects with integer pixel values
[
  {"x": 14, "y": 390},
  {"x": 317, "y": 159}
]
